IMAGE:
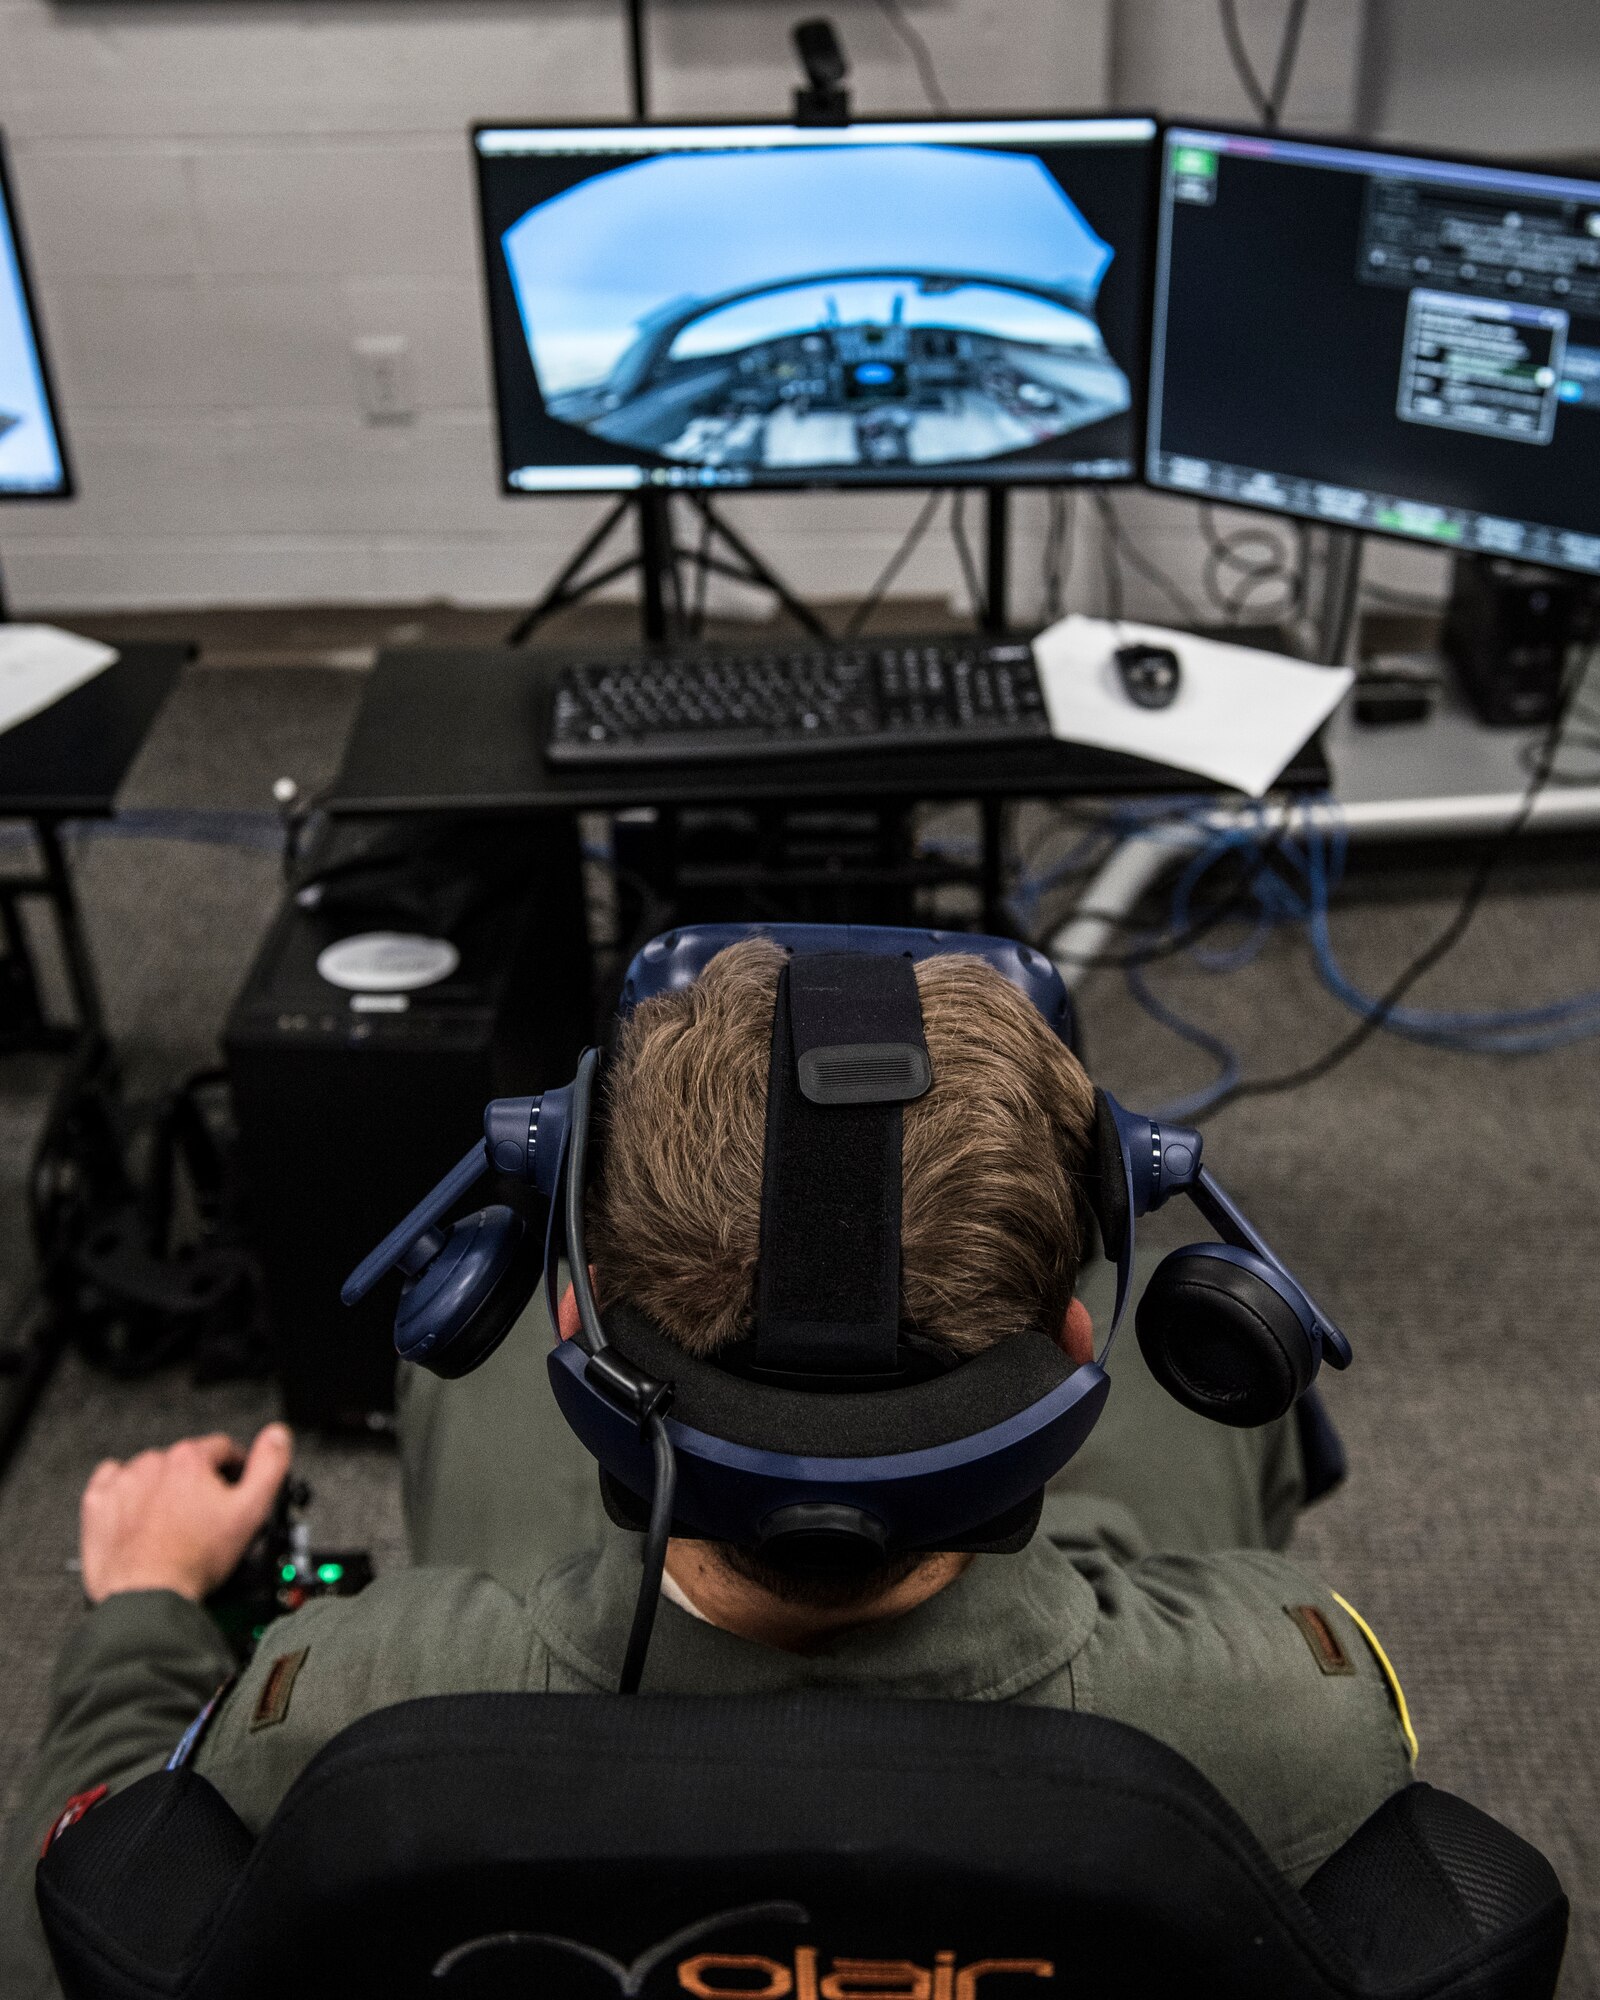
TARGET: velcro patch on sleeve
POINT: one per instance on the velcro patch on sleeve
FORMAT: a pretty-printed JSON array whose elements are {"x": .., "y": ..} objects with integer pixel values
[
  {"x": 70, "y": 1814},
  {"x": 272, "y": 1704},
  {"x": 1320, "y": 1636}
]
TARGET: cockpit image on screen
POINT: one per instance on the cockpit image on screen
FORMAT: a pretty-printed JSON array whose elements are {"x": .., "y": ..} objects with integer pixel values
[
  {"x": 31, "y": 461},
  {"x": 789, "y": 308},
  {"x": 860, "y": 306}
]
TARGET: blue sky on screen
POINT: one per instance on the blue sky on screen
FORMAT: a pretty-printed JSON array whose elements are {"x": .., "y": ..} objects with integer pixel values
[
  {"x": 30, "y": 458},
  {"x": 593, "y": 265}
]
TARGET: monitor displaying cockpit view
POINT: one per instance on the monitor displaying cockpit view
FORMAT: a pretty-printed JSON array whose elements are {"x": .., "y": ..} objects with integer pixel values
[
  {"x": 776, "y": 305},
  {"x": 32, "y": 465}
]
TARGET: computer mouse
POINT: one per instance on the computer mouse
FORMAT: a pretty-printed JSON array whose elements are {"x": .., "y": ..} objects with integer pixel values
[{"x": 1149, "y": 674}]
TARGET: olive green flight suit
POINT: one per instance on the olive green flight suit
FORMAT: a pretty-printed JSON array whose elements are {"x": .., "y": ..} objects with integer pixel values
[{"x": 1154, "y": 1593}]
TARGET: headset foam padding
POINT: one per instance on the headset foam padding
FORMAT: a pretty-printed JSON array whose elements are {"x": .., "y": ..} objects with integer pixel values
[
  {"x": 1108, "y": 1184},
  {"x": 1222, "y": 1340}
]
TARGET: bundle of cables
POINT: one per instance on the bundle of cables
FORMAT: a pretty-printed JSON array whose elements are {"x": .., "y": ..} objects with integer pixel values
[
  {"x": 1288, "y": 866},
  {"x": 1296, "y": 887}
]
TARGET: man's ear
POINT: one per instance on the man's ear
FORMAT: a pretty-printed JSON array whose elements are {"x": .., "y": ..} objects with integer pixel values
[
  {"x": 1076, "y": 1336},
  {"x": 568, "y": 1323}
]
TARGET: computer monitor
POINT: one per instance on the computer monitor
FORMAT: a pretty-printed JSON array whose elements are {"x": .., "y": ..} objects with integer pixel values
[
  {"x": 33, "y": 462},
  {"x": 903, "y": 304},
  {"x": 1375, "y": 339}
]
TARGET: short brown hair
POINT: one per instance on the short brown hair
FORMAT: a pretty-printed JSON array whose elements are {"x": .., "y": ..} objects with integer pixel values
[{"x": 993, "y": 1211}]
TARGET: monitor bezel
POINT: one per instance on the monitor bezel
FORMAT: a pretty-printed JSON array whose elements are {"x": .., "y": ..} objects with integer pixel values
[
  {"x": 1342, "y": 143},
  {"x": 1139, "y": 370},
  {"x": 68, "y": 488}
]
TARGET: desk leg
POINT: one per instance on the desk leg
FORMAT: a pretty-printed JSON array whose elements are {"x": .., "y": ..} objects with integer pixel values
[
  {"x": 75, "y": 950},
  {"x": 21, "y": 978},
  {"x": 992, "y": 877}
]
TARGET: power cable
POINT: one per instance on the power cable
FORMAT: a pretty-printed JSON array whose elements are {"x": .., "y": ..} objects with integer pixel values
[
  {"x": 1178, "y": 937},
  {"x": 1402, "y": 600},
  {"x": 1231, "y": 550},
  {"x": 969, "y": 566},
  {"x": 857, "y": 621},
  {"x": 1143, "y": 566},
  {"x": 1111, "y": 573},
  {"x": 932, "y": 89},
  {"x": 1268, "y": 99},
  {"x": 1060, "y": 545},
  {"x": 1224, "y": 549}
]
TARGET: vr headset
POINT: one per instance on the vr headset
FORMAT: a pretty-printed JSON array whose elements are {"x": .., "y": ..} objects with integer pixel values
[{"x": 834, "y": 1439}]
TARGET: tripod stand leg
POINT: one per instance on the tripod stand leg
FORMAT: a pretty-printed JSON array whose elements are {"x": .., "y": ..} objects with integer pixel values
[
  {"x": 762, "y": 574},
  {"x": 562, "y": 592}
]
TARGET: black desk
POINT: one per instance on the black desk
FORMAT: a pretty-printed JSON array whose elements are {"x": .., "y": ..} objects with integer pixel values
[
  {"x": 460, "y": 730},
  {"x": 68, "y": 762}
]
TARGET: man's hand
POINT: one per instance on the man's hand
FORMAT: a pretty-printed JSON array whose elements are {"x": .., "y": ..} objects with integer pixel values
[{"x": 169, "y": 1520}]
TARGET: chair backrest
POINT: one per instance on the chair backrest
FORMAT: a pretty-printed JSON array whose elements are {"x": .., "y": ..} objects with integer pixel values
[{"x": 804, "y": 1848}]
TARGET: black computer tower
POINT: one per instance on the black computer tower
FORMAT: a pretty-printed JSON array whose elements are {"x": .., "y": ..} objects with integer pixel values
[
  {"x": 1511, "y": 632},
  {"x": 350, "y": 1106}
]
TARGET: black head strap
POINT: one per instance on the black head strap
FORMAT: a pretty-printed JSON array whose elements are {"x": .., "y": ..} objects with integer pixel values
[{"x": 847, "y": 1053}]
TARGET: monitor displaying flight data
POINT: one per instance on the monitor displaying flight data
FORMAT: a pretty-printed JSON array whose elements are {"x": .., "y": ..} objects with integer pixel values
[
  {"x": 1404, "y": 345},
  {"x": 33, "y": 462},
  {"x": 776, "y": 305}
]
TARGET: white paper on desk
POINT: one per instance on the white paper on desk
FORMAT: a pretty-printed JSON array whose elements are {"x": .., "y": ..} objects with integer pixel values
[
  {"x": 1238, "y": 717},
  {"x": 41, "y": 663}
]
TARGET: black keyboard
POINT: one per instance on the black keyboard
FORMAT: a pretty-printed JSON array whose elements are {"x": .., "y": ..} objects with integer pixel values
[{"x": 681, "y": 707}]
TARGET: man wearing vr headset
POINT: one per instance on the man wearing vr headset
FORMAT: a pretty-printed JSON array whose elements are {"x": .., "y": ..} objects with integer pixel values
[{"x": 1146, "y": 1584}]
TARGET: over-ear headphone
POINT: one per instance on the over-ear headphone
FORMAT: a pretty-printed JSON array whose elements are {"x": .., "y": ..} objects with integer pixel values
[{"x": 829, "y": 1442}]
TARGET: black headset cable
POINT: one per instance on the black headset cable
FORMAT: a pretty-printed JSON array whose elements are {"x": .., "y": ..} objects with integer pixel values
[
  {"x": 666, "y": 1463},
  {"x": 655, "y": 1556}
]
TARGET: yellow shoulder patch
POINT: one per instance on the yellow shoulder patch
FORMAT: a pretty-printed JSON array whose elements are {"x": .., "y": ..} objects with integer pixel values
[{"x": 1389, "y": 1674}]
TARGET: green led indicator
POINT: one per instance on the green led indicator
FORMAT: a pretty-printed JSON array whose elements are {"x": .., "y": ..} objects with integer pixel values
[
  {"x": 288, "y": 1572},
  {"x": 329, "y": 1572},
  {"x": 1196, "y": 161}
]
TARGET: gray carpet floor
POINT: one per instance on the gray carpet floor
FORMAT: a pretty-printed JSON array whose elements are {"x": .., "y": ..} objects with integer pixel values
[{"x": 1443, "y": 1206}]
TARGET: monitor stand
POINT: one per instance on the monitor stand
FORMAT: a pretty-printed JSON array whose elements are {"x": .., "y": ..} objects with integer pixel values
[
  {"x": 1341, "y": 595},
  {"x": 663, "y": 611},
  {"x": 657, "y": 557},
  {"x": 996, "y": 551}
]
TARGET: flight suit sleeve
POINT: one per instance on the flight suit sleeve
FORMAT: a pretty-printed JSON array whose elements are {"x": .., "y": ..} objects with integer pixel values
[{"x": 128, "y": 1683}]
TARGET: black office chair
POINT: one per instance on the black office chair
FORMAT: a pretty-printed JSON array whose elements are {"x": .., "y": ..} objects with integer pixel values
[{"x": 810, "y": 1848}]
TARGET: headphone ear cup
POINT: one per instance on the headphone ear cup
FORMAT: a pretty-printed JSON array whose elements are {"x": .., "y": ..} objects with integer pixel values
[
  {"x": 456, "y": 1312},
  {"x": 1221, "y": 1334}
]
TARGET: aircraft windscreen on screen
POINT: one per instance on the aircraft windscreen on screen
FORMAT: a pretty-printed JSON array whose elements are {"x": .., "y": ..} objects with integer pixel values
[{"x": 870, "y": 305}]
